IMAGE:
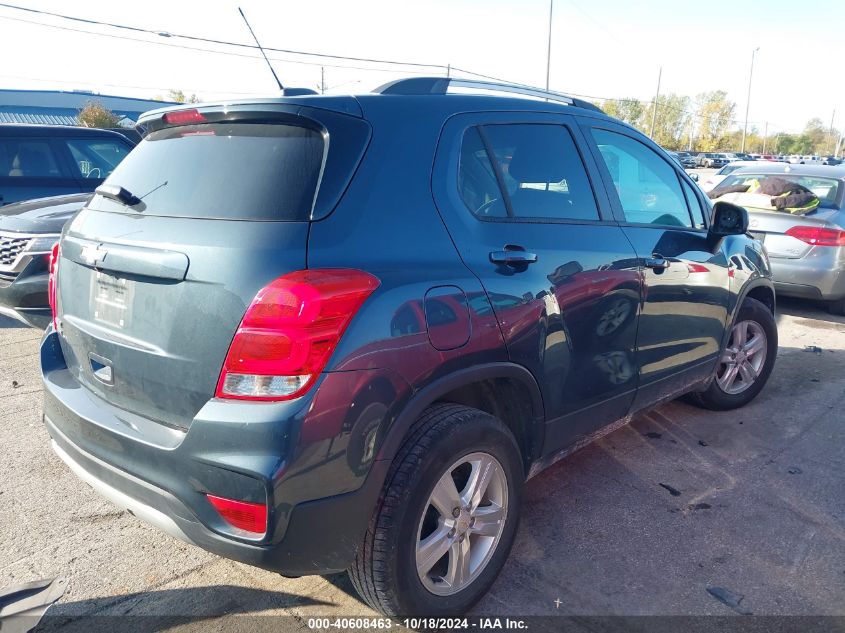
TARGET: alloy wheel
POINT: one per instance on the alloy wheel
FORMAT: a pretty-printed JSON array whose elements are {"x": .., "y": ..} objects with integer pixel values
[
  {"x": 743, "y": 359},
  {"x": 461, "y": 524}
]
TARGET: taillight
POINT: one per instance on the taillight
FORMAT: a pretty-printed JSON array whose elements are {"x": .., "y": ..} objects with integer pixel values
[
  {"x": 289, "y": 331},
  {"x": 184, "y": 117},
  {"x": 817, "y": 235},
  {"x": 55, "y": 253},
  {"x": 251, "y": 517}
]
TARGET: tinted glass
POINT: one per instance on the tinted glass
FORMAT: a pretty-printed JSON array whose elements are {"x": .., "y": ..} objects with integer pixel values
[
  {"x": 648, "y": 187},
  {"x": 96, "y": 158},
  {"x": 543, "y": 172},
  {"x": 694, "y": 205},
  {"x": 224, "y": 170},
  {"x": 27, "y": 159},
  {"x": 476, "y": 179}
]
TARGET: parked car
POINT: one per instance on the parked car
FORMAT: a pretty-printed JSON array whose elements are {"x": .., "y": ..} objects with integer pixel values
[
  {"x": 37, "y": 161},
  {"x": 831, "y": 160},
  {"x": 713, "y": 180},
  {"x": 340, "y": 332},
  {"x": 710, "y": 159},
  {"x": 807, "y": 252},
  {"x": 28, "y": 232},
  {"x": 687, "y": 159}
]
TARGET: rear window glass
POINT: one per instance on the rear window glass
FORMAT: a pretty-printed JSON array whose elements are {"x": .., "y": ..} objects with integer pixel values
[
  {"x": 241, "y": 171},
  {"x": 826, "y": 189}
]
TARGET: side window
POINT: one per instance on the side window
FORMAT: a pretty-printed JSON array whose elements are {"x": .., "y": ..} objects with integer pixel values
[
  {"x": 28, "y": 159},
  {"x": 96, "y": 158},
  {"x": 477, "y": 180},
  {"x": 649, "y": 189},
  {"x": 540, "y": 167},
  {"x": 694, "y": 205}
]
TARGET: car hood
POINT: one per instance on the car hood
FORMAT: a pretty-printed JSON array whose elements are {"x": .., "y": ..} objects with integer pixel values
[{"x": 43, "y": 215}]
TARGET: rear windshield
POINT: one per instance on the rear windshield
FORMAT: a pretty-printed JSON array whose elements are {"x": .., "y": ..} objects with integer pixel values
[
  {"x": 826, "y": 189},
  {"x": 230, "y": 170}
]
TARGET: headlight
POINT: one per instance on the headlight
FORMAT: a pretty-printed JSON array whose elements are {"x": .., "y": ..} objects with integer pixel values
[{"x": 41, "y": 244}]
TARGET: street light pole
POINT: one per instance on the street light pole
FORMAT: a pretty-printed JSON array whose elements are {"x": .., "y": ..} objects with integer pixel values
[
  {"x": 748, "y": 100},
  {"x": 656, "y": 99},
  {"x": 549, "y": 47}
]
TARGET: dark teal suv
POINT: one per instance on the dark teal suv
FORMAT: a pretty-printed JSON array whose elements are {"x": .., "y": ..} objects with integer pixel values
[{"x": 321, "y": 333}]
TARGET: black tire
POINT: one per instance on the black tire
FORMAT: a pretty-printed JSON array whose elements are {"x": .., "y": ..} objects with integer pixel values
[
  {"x": 837, "y": 307},
  {"x": 384, "y": 571},
  {"x": 714, "y": 397}
]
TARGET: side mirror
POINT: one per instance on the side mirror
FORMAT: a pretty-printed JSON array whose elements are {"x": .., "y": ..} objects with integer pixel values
[
  {"x": 693, "y": 176},
  {"x": 728, "y": 219}
]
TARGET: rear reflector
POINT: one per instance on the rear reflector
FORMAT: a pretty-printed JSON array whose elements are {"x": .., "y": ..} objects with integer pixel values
[
  {"x": 289, "y": 331},
  {"x": 184, "y": 117},
  {"x": 251, "y": 517},
  {"x": 55, "y": 253},
  {"x": 818, "y": 236}
]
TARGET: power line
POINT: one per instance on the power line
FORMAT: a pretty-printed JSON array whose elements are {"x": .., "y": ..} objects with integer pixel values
[
  {"x": 207, "y": 40},
  {"x": 251, "y": 47}
]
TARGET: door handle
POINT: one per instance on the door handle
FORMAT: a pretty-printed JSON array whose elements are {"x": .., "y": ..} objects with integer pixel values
[
  {"x": 657, "y": 262},
  {"x": 513, "y": 256}
]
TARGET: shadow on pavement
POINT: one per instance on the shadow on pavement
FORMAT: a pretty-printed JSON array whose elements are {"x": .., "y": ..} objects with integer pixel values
[
  {"x": 807, "y": 309},
  {"x": 148, "y": 610}
]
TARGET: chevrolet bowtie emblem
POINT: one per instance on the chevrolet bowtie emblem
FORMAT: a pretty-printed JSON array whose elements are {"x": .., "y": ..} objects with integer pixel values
[{"x": 92, "y": 254}]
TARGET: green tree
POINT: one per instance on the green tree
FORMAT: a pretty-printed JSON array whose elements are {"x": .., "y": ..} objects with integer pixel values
[
  {"x": 95, "y": 114},
  {"x": 670, "y": 122},
  {"x": 180, "y": 97},
  {"x": 713, "y": 116},
  {"x": 628, "y": 110}
]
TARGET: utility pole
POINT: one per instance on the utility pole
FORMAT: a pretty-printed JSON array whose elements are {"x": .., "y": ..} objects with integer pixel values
[
  {"x": 765, "y": 137},
  {"x": 830, "y": 134},
  {"x": 691, "y": 131},
  {"x": 549, "y": 47},
  {"x": 656, "y": 97},
  {"x": 322, "y": 80},
  {"x": 448, "y": 70},
  {"x": 748, "y": 100}
]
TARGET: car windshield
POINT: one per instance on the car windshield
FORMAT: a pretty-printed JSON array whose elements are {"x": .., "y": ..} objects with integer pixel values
[{"x": 827, "y": 189}]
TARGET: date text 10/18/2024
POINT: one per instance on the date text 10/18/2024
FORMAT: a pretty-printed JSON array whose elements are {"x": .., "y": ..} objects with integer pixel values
[{"x": 434, "y": 624}]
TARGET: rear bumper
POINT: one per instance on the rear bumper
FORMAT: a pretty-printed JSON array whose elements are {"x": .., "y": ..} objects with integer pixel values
[
  {"x": 318, "y": 507},
  {"x": 820, "y": 274}
]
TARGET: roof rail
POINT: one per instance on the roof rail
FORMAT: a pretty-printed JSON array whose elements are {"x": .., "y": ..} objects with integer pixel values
[{"x": 441, "y": 85}]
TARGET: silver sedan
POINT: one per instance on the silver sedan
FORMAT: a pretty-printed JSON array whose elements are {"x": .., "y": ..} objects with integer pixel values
[{"x": 807, "y": 252}]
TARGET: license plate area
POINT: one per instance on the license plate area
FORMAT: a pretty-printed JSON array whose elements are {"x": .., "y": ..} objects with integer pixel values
[{"x": 111, "y": 299}]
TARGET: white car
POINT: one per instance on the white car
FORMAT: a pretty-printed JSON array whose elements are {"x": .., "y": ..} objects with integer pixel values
[
  {"x": 797, "y": 159},
  {"x": 711, "y": 181}
]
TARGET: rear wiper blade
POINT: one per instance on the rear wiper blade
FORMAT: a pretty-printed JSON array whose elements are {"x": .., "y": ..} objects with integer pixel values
[{"x": 118, "y": 193}]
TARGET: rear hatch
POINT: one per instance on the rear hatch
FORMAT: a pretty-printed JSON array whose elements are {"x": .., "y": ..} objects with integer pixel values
[{"x": 150, "y": 292}]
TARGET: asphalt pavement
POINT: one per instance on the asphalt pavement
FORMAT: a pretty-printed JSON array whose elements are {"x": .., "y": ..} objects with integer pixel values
[{"x": 683, "y": 511}]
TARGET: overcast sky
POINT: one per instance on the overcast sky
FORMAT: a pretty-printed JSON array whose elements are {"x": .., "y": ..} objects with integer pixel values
[{"x": 604, "y": 48}]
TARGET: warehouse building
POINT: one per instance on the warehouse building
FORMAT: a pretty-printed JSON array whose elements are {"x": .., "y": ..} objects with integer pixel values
[{"x": 55, "y": 107}]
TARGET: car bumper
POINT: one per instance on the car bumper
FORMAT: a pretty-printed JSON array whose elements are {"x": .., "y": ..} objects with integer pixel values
[
  {"x": 820, "y": 274},
  {"x": 317, "y": 511},
  {"x": 25, "y": 297}
]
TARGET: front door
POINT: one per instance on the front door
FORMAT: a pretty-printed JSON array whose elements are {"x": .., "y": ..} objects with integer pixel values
[
  {"x": 560, "y": 275},
  {"x": 685, "y": 293}
]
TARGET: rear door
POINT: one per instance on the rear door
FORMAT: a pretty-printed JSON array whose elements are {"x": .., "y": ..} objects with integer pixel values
[
  {"x": 530, "y": 222},
  {"x": 685, "y": 294},
  {"x": 150, "y": 296},
  {"x": 32, "y": 168}
]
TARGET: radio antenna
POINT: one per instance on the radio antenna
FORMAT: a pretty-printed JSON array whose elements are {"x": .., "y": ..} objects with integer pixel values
[{"x": 276, "y": 77}]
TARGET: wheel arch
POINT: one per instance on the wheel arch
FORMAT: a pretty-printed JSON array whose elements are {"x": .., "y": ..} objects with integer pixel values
[{"x": 505, "y": 390}]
